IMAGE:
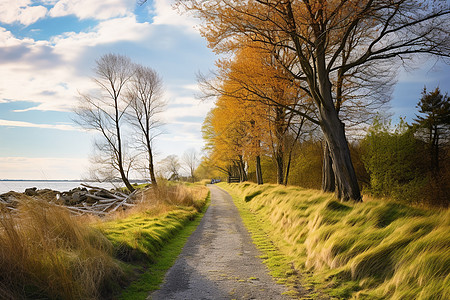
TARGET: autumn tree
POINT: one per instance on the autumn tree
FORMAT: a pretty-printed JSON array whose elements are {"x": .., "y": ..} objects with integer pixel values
[
  {"x": 145, "y": 91},
  {"x": 104, "y": 112},
  {"x": 229, "y": 142},
  {"x": 259, "y": 88},
  {"x": 319, "y": 34}
]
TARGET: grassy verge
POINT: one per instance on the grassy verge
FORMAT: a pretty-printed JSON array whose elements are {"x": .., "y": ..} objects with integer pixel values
[
  {"x": 154, "y": 243},
  {"x": 46, "y": 253},
  {"x": 370, "y": 250}
]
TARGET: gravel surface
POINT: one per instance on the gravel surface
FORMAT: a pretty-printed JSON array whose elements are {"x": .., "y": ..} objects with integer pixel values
[{"x": 219, "y": 260}]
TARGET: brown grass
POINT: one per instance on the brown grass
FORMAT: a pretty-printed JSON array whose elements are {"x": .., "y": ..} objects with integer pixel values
[
  {"x": 166, "y": 197},
  {"x": 47, "y": 253}
]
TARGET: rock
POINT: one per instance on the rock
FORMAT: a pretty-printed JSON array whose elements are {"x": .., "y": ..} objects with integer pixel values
[
  {"x": 11, "y": 197},
  {"x": 102, "y": 194},
  {"x": 79, "y": 189},
  {"x": 79, "y": 197},
  {"x": 31, "y": 191},
  {"x": 67, "y": 198}
]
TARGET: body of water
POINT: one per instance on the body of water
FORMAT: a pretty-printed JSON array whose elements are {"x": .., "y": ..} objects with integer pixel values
[{"x": 21, "y": 185}]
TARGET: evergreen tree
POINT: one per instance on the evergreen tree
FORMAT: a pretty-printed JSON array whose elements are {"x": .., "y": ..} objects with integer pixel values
[{"x": 435, "y": 123}]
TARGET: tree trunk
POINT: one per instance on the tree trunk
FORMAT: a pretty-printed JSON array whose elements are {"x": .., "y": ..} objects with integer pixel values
[
  {"x": 435, "y": 151},
  {"x": 119, "y": 147},
  {"x": 243, "y": 174},
  {"x": 151, "y": 169},
  {"x": 345, "y": 177},
  {"x": 125, "y": 180},
  {"x": 280, "y": 166},
  {"x": 279, "y": 151},
  {"x": 288, "y": 167},
  {"x": 328, "y": 183},
  {"x": 259, "y": 178}
]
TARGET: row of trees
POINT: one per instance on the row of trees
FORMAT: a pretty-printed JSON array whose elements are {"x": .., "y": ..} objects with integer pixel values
[
  {"x": 297, "y": 65},
  {"x": 406, "y": 162},
  {"x": 171, "y": 166}
]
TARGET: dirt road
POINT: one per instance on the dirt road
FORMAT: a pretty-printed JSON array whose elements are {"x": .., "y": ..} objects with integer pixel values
[{"x": 219, "y": 260}]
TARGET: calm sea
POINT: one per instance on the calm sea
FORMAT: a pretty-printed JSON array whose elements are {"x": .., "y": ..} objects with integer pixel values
[{"x": 20, "y": 185}]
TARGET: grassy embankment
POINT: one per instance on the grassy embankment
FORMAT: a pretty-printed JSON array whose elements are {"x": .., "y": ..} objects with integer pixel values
[
  {"x": 47, "y": 253},
  {"x": 371, "y": 250}
]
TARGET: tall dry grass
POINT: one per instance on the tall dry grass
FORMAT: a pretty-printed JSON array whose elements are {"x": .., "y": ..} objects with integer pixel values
[
  {"x": 370, "y": 250},
  {"x": 166, "y": 197},
  {"x": 47, "y": 253}
]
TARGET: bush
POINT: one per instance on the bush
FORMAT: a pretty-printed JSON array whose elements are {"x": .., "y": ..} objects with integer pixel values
[{"x": 394, "y": 162}]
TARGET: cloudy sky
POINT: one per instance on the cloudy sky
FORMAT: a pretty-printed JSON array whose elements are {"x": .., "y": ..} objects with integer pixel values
[{"x": 48, "y": 49}]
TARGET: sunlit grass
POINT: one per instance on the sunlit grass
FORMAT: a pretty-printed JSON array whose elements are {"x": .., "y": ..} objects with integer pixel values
[
  {"x": 370, "y": 250},
  {"x": 46, "y": 253}
]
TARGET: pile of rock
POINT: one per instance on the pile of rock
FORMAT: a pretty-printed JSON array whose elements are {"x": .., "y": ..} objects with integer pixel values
[{"x": 87, "y": 199}]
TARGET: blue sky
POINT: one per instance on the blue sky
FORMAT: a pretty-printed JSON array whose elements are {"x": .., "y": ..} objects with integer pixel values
[{"x": 48, "y": 49}]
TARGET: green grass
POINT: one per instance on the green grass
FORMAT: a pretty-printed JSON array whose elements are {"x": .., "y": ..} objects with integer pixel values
[
  {"x": 142, "y": 236},
  {"x": 369, "y": 250},
  {"x": 162, "y": 260}
]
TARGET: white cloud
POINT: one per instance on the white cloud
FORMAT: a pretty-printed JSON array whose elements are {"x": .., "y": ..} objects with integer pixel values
[
  {"x": 195, "y": 110},
  {"x": 192, "y": 87},
  {"x": 21, "y": 11},
  {"x": 165, "y": 14},
  {"x": 109, "y": 31},
  {"x": 99, "y": 10},
  {"x": 10, "y": 123},
  {"x": 49, "y": 72}
]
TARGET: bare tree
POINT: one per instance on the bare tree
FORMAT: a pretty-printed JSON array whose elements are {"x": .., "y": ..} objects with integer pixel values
[
  {"x": 104, "y": 112},
  {"x": 190, "y": 159},
  {"x": 145, "y": 93},
  {"x": 170, "y": 167}
]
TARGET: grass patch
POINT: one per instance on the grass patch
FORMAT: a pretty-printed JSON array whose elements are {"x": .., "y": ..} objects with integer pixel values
[
  {"x": 250, "y": 196},
  {"x": 152, "y": 278},
  {"x": 370, "y": 250},
  {"x": 47, "y": 253},
  {"x": 277, "y": 263}
]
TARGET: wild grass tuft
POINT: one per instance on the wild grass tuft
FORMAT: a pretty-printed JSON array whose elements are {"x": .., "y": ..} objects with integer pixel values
[
  {"x": 369, "y": 250},
  {"x": 47, "y": 253}
]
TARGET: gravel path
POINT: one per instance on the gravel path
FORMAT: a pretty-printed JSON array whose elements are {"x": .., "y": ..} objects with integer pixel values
[{"x": 219, "y": 260}]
